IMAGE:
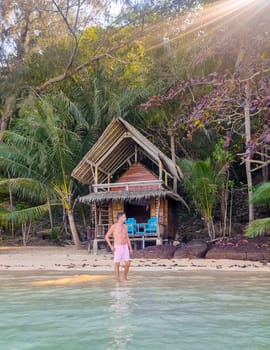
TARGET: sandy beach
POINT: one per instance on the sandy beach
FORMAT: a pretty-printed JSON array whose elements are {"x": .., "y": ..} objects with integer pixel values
[{"x": 71, "y": 259}]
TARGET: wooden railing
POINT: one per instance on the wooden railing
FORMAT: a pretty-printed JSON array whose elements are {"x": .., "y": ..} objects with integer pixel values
[{"x": 126, "y": 185}]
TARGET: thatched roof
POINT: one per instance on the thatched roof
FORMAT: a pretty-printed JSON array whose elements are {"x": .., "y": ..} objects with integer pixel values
[
  {"x": 127, "y": 195},
  {"x": 116, "y": 145}
]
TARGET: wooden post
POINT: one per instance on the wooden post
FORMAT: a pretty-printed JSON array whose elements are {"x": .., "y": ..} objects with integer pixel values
[
  {"x": 159, "y": 239},
  {"x": 96, "y": 178},
  {"x": 171, "y": 133},
  {"x": 136, "y": 153},
  {"x": 160, "y": 170},
  {"x": 95, "y": 244},
  {"x": 109, "y": 181}
]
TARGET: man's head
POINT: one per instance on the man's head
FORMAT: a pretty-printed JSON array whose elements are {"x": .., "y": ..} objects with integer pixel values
[{"x": 121, "y": 217}]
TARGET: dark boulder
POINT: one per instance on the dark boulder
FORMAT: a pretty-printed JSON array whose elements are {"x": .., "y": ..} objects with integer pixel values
[
  {"x": 259, "y": 255},
  {"x": 181, "y": 252},
  {"x": 165, "y": 251},
  {"x": 237, "y": 248},
  {"x": 226, "y": 253},
  {"x": 241, "y": 248},
  {"x": 196, "y": 248},
  {"x": 138, "y": 254}
]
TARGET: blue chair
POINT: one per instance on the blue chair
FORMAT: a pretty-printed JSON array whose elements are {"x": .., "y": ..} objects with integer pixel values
[
  {"x": 140, "y": 229},
  {"x": 131, "y": 225},
  {"x": 151, "y": 226}
]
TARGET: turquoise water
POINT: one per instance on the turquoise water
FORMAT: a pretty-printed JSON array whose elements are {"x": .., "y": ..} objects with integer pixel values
[{"x": 187, "y": 311}]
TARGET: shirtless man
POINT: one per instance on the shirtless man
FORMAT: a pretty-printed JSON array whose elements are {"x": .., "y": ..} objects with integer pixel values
[{"x": 122, "y": 246}]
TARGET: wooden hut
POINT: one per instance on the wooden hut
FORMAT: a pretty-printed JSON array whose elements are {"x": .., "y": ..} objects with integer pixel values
[{"x": 126, "y": 172}]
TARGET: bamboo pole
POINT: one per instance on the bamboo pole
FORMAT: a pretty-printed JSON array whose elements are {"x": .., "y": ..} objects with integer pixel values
[
  {"x": 171, "y": 133},
  {"x": 160, "y": 169}
]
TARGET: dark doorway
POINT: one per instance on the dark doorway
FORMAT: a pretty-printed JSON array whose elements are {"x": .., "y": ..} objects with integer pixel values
[{"x": 140, "y": 210}]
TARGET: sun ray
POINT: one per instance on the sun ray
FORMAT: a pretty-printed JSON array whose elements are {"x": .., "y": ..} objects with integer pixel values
[{"x": 216, "y": 15}]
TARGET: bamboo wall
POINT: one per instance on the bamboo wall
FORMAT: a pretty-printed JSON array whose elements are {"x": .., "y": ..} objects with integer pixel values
[
  {"x": 117, "y": 206},
  {"x": 137, "y": 172}
]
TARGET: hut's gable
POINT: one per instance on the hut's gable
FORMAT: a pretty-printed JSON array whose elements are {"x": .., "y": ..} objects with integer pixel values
[{"x": 138, "y": 173}]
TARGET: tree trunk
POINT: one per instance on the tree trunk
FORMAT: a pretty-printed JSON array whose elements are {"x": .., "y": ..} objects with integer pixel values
[
  {"x": 210, "y": 228},
  {"x": 265, "y": 169},
  {"x": 73, "y": 229},
  {"x": 25, "y": 233},
  {"x": 84, "y": 218},
  {"x": 9, "y": 109},
  {"x": 11, "y": 208},
  {"x": 248, "y": 154},
  {"x": 250, "y": 193},
  {"x": 230, "y": 220},
  {"x": 50, "y": 213},
  {"x": 171, "y": 133}
]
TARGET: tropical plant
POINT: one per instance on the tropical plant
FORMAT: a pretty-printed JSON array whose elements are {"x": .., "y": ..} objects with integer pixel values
[
  {"x": 40, "y": 154},
  {"x": 203, "y": 180},
  {"x": 261, "y": 195}
]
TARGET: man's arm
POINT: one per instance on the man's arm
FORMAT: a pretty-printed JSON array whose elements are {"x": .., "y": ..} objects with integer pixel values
[
  {"x": 129, "y": 244},
  {"x": 107, "y": 237}
]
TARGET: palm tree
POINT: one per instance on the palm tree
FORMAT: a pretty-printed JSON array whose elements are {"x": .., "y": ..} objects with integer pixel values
[
  {"x": 261, "y": 195},
  {"x": 203, "y": 181},
  {"x": 40, "y": 154}
]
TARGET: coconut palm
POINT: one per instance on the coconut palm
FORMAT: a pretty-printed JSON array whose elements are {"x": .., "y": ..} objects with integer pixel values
[
  {"x": 203, "y": 181},
  {"x": 261, "y": 195},
  {"x": 39, "y": 155}
]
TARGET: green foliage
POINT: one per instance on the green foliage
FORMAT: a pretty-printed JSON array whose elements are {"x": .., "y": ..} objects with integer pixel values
[
  {"x": 18, "y": 217},
  {"x": 261, "y": 195},
  {"x": 40, "y": 153},
  {"x": 27, "y": 189},
  {"x": 203, "y": 181},
  {"x": 55, "y": 234},
  {"x": 258, "y": 228},
  {"x": 220, "y": 153},
  {"x": 200, "y": 183}
]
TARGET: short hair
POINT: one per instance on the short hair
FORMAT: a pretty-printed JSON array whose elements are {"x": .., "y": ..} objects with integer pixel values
[{"x": 121, "y": 213}]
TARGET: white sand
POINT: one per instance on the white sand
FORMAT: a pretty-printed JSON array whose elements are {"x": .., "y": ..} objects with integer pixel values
[{"x": 71, "y": 259}]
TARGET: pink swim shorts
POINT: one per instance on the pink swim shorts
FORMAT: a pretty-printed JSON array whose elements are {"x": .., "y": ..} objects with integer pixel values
[{"x": 121, "y": 253}]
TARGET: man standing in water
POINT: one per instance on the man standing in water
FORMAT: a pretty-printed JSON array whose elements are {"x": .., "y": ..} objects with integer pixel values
[{"x": 122, "y": 246}]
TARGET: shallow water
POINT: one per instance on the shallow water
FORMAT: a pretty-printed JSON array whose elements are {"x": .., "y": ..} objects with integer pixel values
[{"x": 184, "y": 310}]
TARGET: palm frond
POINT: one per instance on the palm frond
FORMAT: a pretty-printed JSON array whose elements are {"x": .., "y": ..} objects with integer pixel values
[
  {"x": 29, "y": 189},
  {"x": 261, "y": 195},
  {"x": 20, "y": 141},
  {"x": 258, "y": 227},
  {"x": 18, "y": 167},
  {"x": 18, "y": 217},
  {"x": 202, "y": 183}
]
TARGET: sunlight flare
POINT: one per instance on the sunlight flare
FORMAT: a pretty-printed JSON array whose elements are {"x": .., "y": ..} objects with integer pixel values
[
  {"x": 213, "y": 15},
  {"x": 70, "y": 280}
]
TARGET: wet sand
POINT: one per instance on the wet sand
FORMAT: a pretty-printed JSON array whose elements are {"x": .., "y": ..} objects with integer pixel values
[{"x": 71, "y": 259}]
